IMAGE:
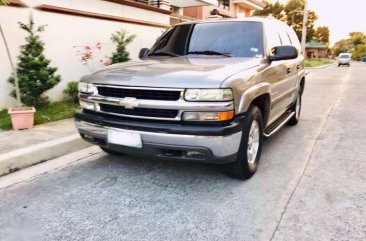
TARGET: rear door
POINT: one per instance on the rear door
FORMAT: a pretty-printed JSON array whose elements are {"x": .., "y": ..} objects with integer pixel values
[{"x": 280, "y": 74}]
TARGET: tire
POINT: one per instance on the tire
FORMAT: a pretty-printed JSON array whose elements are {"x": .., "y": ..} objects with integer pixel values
[
  {"x": 297, "y": 109},
  {"x": 110, "y": 152},
  {"x": 245, "y": 165}
]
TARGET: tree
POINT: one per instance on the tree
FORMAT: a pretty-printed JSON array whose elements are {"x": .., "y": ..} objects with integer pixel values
[
  {"x": 272, "y": 9},
  {"x": 342, "y": 46},
  {"x": 294, "y": 10},
  {"x": 33, "y": 70},
  {"x": 359, "y": 51},
  {"x": 322, "y": 34},
  {"x": 121, "y": 39},
  {"x": 357, "y": 38}
]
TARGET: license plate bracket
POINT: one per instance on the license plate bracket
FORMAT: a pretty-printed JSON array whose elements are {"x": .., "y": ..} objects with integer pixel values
[{"x": 124, "y": 138}]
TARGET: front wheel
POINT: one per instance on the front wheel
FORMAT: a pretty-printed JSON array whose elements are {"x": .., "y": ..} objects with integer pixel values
[
  {"x": 250, "y": 147},
  {"x": 296, "y": 108}
]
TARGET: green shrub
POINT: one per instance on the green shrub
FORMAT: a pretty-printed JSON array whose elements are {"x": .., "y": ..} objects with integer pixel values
[
  {"x": 121, "y": 39},
  {"x": 33, "y": 70},
  {"x": 71, "y": 92}
]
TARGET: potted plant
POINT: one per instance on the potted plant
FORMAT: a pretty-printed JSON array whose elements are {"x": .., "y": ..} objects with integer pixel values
[{"x": 31, "y": 78}]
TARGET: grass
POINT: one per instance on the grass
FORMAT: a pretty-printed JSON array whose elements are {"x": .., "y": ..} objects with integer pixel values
[
  {"x": 316, "y": 62},
  {"x": 54, "y": 112}
]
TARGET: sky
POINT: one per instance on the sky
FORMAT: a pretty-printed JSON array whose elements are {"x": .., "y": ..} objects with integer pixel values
[{"x": 340, "y": 16}]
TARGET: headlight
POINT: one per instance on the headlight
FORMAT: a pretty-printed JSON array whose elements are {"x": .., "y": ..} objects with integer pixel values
[
  {"x": 208, "y": 116},
  {"x": 87, "y": 105},
  {"x": 208, "y": 95},
  {"x": 86, "y": 87}
]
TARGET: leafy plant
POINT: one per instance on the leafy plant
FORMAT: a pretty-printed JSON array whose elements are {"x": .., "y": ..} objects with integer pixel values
[
  {"x": 33, "y": 70},
  {"x": 4, "y": 2},
  {"x": 121, "y": 39},
  {"x": 90, "y": 56},
  {"x": 71, "y": 92}
]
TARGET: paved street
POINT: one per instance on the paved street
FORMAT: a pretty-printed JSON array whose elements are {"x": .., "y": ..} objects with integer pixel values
[{"x": 311, "y": 184}]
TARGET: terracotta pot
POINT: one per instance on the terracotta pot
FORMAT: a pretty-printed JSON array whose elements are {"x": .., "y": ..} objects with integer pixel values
[{"x": 22, "y": 117}]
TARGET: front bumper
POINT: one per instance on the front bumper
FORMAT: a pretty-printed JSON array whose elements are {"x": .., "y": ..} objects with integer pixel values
[{"x": 213, "y": 144}]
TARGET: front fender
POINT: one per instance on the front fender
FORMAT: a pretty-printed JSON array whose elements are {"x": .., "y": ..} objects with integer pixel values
[{"x": 250, "y": 94}]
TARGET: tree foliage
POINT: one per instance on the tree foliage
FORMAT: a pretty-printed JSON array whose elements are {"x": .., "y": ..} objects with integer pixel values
[
  {"x": 322, "y": 34},
  {"x": 275, "y": 10},
  {"x": 121, "y": 39},
  {"x": 4, "y": 2},
  {"x": 294, "y": 10},
  {"x": 355, "y": 44},
  {"x": 293, "y": 14},
  {"x": 33, "y": 70}
]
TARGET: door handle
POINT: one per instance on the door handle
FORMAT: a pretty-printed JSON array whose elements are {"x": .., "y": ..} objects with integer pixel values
[
  {"x": 298, "y": 67},
  {"x": 288, "y": 70}
]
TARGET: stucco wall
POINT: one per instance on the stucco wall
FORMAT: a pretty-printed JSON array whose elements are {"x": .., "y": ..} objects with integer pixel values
[{"x": 65, "y": 31}]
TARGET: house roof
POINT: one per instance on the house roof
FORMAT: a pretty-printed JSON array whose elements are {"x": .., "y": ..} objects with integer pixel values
[{"x": 315, "y": 44}]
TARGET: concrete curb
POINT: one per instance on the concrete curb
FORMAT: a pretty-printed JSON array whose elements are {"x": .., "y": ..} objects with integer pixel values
[
  {"x": 84, "y": 155},
  {"x": 321, "y": 67},
  {"x": 28, "y": 156}
]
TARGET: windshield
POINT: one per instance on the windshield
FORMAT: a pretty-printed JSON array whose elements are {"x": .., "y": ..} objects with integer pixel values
[
  {"x": 345, "y": 57},
  {"x": 235, "y": 39}
]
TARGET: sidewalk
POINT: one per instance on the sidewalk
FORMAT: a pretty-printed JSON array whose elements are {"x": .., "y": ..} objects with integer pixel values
[{"x": 20, "y": 149}]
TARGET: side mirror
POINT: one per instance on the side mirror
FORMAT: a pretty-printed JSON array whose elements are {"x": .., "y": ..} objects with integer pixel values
[
  {"x": 143, "y": 53},
  {"x": 283, "y": 53}
]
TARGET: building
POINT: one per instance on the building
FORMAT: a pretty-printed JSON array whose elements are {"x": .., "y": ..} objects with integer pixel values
[
  {"x": 77, "y": 23},
  {"x": 315, "y": 49},
  {"x": 225, "y": 9}
]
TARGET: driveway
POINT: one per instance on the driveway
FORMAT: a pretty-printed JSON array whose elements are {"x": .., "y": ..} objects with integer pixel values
[{"x": 311, "y": 185}]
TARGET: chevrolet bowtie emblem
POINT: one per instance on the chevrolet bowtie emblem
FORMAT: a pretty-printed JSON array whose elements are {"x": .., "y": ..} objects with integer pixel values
[{"x": 129, "y": 103}]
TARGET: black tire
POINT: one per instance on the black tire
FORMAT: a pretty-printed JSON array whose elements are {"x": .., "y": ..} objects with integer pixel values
[
  {"x": 110, "y": 152},
  {"x": 241, "y": 168},
  {"x": 295, "y": 119}
]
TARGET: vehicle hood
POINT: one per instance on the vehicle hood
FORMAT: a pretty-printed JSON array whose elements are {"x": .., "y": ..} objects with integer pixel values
[{"x": 178, "y": 72}]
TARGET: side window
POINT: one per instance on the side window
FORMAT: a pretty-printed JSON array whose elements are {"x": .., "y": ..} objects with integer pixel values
[
  {"x": 273, "y": 37},
  {"x": 294, "y": 39},
  {"x": 285, "y": 39}
]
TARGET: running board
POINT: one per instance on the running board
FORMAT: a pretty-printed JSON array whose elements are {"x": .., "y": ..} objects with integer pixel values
[{"x": 278, "y": 124}]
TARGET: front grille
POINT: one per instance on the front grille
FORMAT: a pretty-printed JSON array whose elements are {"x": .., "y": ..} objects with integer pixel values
[
  {"x": 146, "y": 112},
  {"x": 169, "y": 95}
]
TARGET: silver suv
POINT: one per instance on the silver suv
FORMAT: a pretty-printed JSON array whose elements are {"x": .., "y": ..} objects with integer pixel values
[{"x": 207, "y": 91}]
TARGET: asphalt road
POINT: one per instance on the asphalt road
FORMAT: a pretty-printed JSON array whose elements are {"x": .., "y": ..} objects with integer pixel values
[{"x": 311, "y": 185}]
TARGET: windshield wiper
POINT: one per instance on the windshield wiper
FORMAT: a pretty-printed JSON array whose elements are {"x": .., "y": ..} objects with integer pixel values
[
  {"x": 165, "y": 53},
  {"x": 210, "y": 52}
]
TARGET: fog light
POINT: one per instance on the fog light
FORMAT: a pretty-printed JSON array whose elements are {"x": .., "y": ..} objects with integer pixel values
[
  {"x": 208, "y": 116},
  {"x": 87, "y": 105},
  {"x": 194, "y": 154}
]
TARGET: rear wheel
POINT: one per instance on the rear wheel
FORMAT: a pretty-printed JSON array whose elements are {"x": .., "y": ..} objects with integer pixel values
[{"x": 250, "y": 148}]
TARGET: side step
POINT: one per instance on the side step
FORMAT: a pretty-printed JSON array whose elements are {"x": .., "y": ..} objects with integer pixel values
[{"x": 277, "y": 124}]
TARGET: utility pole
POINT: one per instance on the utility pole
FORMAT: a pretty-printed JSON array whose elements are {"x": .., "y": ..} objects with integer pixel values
[{"x": 304, "y": 27}]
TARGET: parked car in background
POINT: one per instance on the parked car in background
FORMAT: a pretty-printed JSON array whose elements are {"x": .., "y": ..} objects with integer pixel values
[
  {"x": 344, "y": 59},
  {"x": 207, "y": 91}
]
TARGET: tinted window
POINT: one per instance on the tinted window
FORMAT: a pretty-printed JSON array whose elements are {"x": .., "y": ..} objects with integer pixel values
[
  {"x": 273, "y": 37},
  {"x": 284, "y": 37},
  {"x": 345, "y": 57},
  {"x": 239, "y": 39}
]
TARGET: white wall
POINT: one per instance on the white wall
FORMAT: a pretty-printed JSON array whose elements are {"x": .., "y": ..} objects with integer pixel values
[{"x": 65, "y": 31}]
